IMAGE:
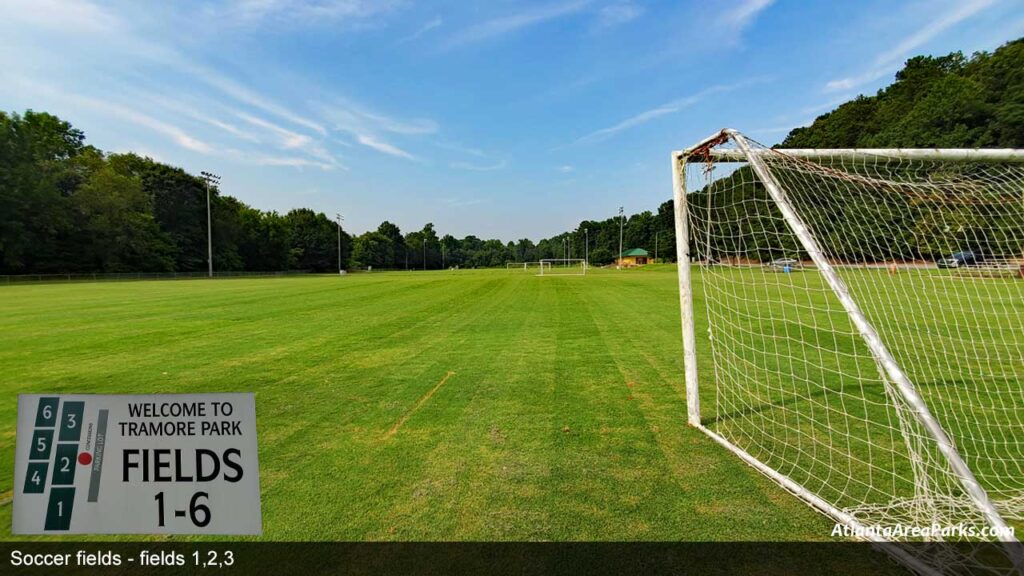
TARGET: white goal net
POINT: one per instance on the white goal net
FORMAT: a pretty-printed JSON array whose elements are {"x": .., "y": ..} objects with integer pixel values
[
  {"x": 562, "y": 267},
  {"x": 865, "y": 331}
]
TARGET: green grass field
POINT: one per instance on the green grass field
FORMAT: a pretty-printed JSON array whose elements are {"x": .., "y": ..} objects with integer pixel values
[
  {"x": 561, "y": 415},
  {"x": 466, "y": 405}
]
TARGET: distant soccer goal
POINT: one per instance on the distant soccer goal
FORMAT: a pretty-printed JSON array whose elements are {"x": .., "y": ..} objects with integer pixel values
[
  {"x": 523, "y": 267},
  {"x": 562, "y": 267},
  {"x": 881, "y": 384}
]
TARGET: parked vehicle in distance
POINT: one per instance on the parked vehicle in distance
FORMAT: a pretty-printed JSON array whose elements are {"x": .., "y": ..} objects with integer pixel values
[
  {"x": 784, "y": 263},
  {"x": 958, "y": 259}
]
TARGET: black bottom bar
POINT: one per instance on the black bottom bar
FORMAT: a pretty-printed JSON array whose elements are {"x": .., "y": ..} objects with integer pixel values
[{"x": 497, "y": 559}]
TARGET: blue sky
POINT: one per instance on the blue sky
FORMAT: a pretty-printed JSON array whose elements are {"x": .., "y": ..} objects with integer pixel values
[{"x": 500, "y": 119}]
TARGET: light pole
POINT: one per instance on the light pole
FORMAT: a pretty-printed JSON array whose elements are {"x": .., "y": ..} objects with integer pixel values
[
  {"x": 656, "y": 234},
  {"x": 340, "y": 218},
  {"x": 209, "y": 178},
  {"x": 586, "y": 248},
  {"x": 424, "y": 252},
  {"x": 622, "y": 223}
]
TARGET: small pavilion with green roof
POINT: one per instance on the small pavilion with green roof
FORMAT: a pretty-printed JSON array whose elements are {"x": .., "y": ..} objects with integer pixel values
[{"x": 634, "y": 257}]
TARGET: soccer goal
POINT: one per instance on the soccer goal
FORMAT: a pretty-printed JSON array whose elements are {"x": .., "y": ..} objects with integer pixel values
[
  {"x": 562, "y": 267},
  {"x": 882, "y": 388}
]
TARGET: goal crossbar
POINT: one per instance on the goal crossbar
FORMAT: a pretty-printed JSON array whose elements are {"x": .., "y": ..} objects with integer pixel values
[
  {"x": 704, "y": 151},
  {"x": 707, "y": 152},
  {"x": 945, "y": 154},
  {"x": 563, "y": 267}
]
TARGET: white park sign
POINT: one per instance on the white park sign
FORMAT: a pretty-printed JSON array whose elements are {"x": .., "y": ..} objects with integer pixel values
[{"x": 136, "y": 464}]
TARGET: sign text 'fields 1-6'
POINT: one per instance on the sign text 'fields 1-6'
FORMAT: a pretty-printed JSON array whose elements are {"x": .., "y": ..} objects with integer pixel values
[{"x": 136, "y": 464}]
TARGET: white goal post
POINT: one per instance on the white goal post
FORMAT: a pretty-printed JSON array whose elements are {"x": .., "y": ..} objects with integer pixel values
[
  {"x": 876, "y": 385},
  {"x": 563, "y": 267}
]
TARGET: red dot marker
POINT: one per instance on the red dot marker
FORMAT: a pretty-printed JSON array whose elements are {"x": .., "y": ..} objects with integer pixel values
[{"x": 85, "y": 458}]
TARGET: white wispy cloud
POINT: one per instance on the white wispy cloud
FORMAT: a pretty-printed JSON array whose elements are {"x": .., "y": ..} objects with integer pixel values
[
  {"x": 803, "y": 117},
  {"x": 565, "y": 169},
  {"x": 503, "y": 25},
  {"x": 427, "y": 27},
  {"x": 479, "y": 167},
  {"x": 742, "y": 13},
  {"x": 287, "y": 138},
  {"x": 113, "y": 110},
  {"x": 81, "y": 19},
  {"x": 886, "y": 62},
  {"x": 247, "y": 96},
  {"x": 303, "y": 12},
  {"x": 665, "y": 109},
  {"x": 349, "y": 116},
  {"x": 284, "y": 138},
  {"x": 183, "y": 108},
  {"x": 456, "y": 147},
  {"x": 292, "y": 161},
  {"x": 366, "y": 126},
  {"x": 463, "y": 202},
  {"x": 225, "y": 126},
  {"x": 185, "y": 120},
  {"x": 617, "y": 14},
  {"x": 381, "y": 146},
  {"x": 74, "y": 16},
  {"x": 406, "y": 127},
  {"x": 291, "y": 140},
  {"x": 176, "y": 134}
]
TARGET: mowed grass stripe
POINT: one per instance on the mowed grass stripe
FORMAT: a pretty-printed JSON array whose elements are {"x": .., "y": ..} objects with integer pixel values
[
  {"x": 399, "y": 461},
  {"x": 449, "y": 494}
]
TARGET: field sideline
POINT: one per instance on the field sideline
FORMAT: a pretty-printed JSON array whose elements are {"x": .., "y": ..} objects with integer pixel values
[{"x": 468, "y": 405}]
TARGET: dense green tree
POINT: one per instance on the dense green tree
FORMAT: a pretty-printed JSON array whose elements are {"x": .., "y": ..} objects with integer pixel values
[
  {"x": 114, "y": 226},
  {"x": 313, "y": 241},
  {"x": 372, "y": 249},
  {"x": 451, "y": 251},
  {"x": 396, "y": 253},
  {"x": 36, "y": 177},
  {"x": 264, "y": 240}
]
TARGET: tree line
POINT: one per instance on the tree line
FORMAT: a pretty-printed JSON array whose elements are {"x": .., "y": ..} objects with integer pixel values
[
  {"x": 387, "y": 248},
  {"x": 67, "y": 207}
]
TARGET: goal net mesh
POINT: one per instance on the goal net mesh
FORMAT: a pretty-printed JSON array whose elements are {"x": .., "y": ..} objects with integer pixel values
[
  {"x": 562, "y": 267},
  {"x": 791, "y": 380}
]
